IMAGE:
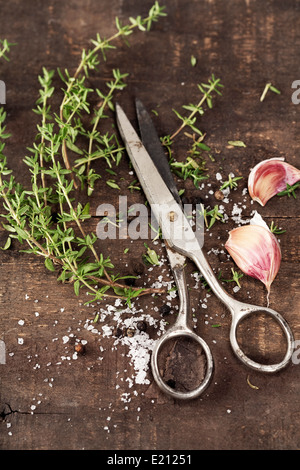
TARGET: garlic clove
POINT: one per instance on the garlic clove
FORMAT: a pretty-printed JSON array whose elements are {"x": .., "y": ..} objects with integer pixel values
[
  {"x": 256, "y": 251},
  {"x": 269, "y": 177}
]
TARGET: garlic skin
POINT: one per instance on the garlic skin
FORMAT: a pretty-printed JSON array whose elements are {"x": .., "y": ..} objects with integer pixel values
[
  {"x": 256, "y": 251},
  {"x": 269, "y": 177}
]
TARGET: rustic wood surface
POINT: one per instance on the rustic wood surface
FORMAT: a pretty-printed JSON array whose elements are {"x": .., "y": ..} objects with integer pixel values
[{"x": 51, "y": 399}]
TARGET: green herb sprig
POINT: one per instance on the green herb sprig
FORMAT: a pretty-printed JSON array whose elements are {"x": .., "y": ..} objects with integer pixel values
[
  {"x": 5, "y": 47},
  {"x": 195, "y": 170},
  {"x": 290, "y": 190},
  {"x": 207, "y": 89},
  {"x": 236, "y": 276},
  {"x": 210, "y": 216},
  {"x": 75, "y": 93},
  {"x": 194, "y": 166},
  {"x": 268, "y": 87},
  {"x": 275, "y": 229},
  {"x": 29, "y": 213},
  {"x": 151, "y": 257},
  {"x": 231, "y": 182}
]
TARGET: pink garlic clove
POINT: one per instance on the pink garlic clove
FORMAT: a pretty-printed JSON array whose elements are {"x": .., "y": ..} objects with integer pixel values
[
  {"x": 269, "y": 177},
  {"x": 256, "y": 251}
]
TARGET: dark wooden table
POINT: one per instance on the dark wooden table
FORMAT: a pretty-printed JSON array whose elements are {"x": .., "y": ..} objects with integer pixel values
[{"x": 51, "y": 399}]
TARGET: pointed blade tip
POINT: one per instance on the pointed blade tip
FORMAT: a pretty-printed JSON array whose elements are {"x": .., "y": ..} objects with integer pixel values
[
  {"x": 121, "y": 117},
  {"x": 117, "y": 107}
]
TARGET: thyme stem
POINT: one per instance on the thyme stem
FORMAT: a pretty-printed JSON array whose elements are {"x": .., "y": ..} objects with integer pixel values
[
  {"x": 28, "y": 212},
  {"x": 89, "y": 61},
  {"x": 213, "y": 86}
]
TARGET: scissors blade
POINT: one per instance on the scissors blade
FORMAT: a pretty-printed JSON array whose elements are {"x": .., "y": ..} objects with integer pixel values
[
  {"x": 153, "y": 145},
  {"x": 153, "y": 184}
]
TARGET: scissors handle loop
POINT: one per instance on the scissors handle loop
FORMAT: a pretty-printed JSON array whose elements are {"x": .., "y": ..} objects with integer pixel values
[
  {"x": 181, "y": 329},
  {"x": 241, "y": 311},
  {"x": 172, "y": 333}
]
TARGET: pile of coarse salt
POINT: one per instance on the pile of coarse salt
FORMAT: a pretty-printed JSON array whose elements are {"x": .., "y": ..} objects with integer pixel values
[{"x": 139, "y": 345}]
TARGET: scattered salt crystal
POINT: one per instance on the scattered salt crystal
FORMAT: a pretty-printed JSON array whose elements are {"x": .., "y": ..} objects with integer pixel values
[
  {"x": 107, "y": 331},
  {"x": 237, "y": 215}
]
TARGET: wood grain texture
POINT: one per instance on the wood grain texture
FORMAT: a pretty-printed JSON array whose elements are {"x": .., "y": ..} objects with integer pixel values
[{"x": 48, "y": 398}]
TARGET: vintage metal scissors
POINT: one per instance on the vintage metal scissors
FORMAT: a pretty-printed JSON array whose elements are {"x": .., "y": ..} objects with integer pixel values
[{"x": 153, "y": 171}]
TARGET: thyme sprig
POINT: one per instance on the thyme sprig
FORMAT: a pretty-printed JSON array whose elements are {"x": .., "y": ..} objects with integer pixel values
[
  {"x": 210, "y": 216},
  {"x": 207, "y": 90},
  {"x": 268, "y": 87},
  {"x": 5, "y": 47},
  {"x": 194, "y": 166},
  {"x": 75, "y": 92},
  {"x": 231, "y": 182},
  {"x": 29, "y": 213},
  {"x": 195, "y": 170},
  {"x": 275, "y": 229},
  {"x": 236, "y": 276},
  {"x": 290, "y": 190}
]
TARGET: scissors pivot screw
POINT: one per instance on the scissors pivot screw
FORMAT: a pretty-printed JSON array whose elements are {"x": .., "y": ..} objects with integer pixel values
[{"x": 172, "y": 216}]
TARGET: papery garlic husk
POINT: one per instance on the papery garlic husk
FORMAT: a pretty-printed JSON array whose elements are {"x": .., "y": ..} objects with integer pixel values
[
  {"x": 269, "y": 177},
  {"x": 256, "y": 251}
]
